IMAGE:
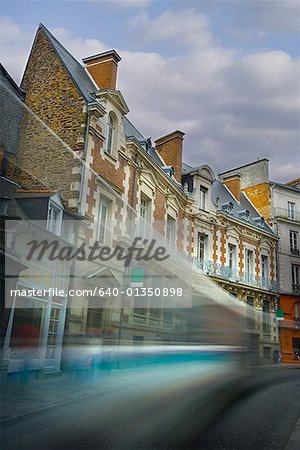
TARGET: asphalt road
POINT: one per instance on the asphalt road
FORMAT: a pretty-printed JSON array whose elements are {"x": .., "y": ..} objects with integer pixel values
[{"x": 262, "y": 418}]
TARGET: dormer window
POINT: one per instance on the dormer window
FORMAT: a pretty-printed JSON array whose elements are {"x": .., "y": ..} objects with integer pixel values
[
  {"x": 227, "y": 207},
  {"x": 54, "y": 223},
  {"x": 260, "y": 222},
  {"x": 245, "y": 215},
  {"x": 203, "y": 197},
  {"x": 169, "y": 170},
  {"x": 110, "y": 134}
]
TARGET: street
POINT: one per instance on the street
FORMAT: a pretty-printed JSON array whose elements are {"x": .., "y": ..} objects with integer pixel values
[{"x": 263, "y": 417}]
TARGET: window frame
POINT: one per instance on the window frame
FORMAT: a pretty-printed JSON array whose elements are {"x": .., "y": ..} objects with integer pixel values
[
  {"x": 173, "y": 230},
  {"x": 249, "y": 262},
  {"x": 103, "y": 201},
  {"x": 232, "y": 256},
  {"x": 203, "y": 197},
  {"x": 202, "y": 239},
  {"x": 293, "y": 241},
  {"x": 295, "y": 269},
  {"x": 58, "y": 227},
  {"x": 291, "y": 210}
]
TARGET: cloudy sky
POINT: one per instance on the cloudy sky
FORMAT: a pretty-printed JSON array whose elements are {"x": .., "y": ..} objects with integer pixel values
[{"x": 227, "y": 73}]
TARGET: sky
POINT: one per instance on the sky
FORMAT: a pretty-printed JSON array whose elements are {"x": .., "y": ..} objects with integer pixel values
[{"x": 227, "y": 73}]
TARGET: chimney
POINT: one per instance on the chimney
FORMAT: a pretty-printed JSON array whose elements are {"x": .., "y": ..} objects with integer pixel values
[
  {"x": 233, "y": 182},
  {"x": 103, "y": 68},
  {"x": 170, "y": 149}
]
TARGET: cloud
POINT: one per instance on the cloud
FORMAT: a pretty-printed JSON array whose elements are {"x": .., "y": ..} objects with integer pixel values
[
  {"x": 14, "y": 46},
  {"x": 79, "y": 47},
  {"x": 185, "y": 29},
  {"x": 273, "y": 15},
  {"x": 234, "y": 107},
  {"x": 124, "y": 4}
]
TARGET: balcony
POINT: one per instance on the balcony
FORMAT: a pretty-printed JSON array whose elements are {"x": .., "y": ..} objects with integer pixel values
[
  {"x": 283, "y": 213},
  {"x": 228, "y": 273}
]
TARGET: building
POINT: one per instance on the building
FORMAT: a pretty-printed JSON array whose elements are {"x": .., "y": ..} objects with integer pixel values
[
  {"x": 28, "y": 321},
  {"x": 279, "y": 204},
  {"x": 107, "y": 172},
  {"x": 235, "y": 246}
]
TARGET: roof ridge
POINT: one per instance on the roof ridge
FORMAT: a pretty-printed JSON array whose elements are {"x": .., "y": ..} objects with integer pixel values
[
  {"x": 76, "y": 70},
  {"x": 42, "y": 26}
]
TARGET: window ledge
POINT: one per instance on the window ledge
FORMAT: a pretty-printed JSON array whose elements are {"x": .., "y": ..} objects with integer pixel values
[{"x": 110, "y": 156}]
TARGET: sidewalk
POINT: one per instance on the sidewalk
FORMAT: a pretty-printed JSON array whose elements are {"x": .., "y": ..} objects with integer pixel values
[{"x": 42, "y": 393}]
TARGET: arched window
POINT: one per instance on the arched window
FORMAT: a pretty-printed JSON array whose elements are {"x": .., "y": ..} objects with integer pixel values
[{"x": 110, "y": 134}]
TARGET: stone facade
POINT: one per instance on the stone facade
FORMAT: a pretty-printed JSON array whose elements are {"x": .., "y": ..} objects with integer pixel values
[
  {"x": 279, "y": 204},
  {"x": 231, "y": 248},
  {"x": 53, "y": 97}
]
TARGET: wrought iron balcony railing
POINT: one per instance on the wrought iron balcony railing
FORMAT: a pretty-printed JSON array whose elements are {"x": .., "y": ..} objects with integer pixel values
[{"x": 228, "y": 273}]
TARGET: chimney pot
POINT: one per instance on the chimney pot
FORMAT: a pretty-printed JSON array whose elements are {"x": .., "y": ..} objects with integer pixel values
[
  {"x": 170, "y": 149},
  {"x": 233, "y": 182},
  {"x": 103, "y": 68}
]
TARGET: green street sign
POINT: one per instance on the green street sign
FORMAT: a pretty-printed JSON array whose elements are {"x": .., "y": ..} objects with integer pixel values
[
  {"x": 280, "y": 314},
  {"x": 137, "y": 277}
]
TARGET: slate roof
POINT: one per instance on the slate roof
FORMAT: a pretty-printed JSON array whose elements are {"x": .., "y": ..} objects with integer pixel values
[
  {"x": 285, "y": 186},
  {"x": 186, "y": 168},
  {"x": 131, "y": 131},
  {"x": 219, "y": 191}
]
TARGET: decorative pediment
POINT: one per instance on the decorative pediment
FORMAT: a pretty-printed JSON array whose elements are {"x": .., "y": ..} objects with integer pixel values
[
  {"x": 102, "y": 277},
  {"x": 114, "y": 97},
  {"x": 150, "y": 178}
]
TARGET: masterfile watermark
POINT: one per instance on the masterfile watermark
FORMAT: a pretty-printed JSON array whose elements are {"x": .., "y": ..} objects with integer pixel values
[
  {"x": 131, "y": 269},
  {"x": 140, "y": 250}
]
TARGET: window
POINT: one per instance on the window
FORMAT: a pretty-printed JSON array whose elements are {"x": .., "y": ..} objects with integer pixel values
[
  {"x": 171, "y": 229},
  {"x": 267, "y": 352},
  {"x": 250, "y": 312},
  {"x": 103, "y": 217},
  {"x": 249, "y": 262},
  {"x": 294, "y": 242},
  {"x": 68, "y": 231},
  {"x": 54, "y": 219},
  {"x": 145, "y": 214},
  {"x": 266, "y": 317},
  {"x": 295, "y": 278},
  {"x": 232, "y": 256},
  {"x": 291, "y": 210},
  {"x": 110, "y": 134},
  {"x": 201, "y": 246},
  {"x": 94, "y": 318},
  {"x": 264, "y": 269},
  {"x": 52, "y": 333},
  {"x": 203, "y": 197}
]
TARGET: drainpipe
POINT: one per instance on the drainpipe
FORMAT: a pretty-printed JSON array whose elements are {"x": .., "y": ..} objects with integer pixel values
[
  {"x": 83, "y": 167},
  {"x": 126, "y": 271}
]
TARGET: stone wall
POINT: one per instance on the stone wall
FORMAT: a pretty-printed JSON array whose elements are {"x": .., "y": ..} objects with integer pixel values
[{"x": 51, "y": 95}]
